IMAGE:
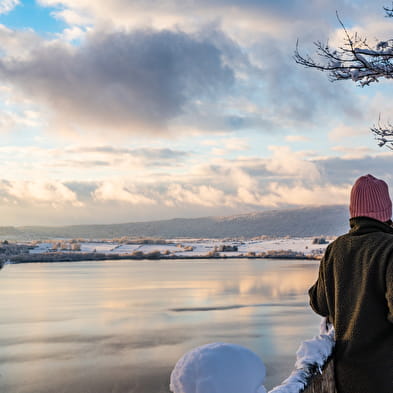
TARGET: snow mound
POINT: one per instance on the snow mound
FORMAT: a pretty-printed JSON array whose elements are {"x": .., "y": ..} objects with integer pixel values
[{"x": 219, "y": 368}]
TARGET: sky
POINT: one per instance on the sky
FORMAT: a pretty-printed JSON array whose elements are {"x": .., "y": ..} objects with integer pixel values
[{"x": 118, "y": 111}]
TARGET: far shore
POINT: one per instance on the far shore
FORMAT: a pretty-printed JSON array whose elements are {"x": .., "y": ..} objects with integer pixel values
[{"x": 79, "y": 257}]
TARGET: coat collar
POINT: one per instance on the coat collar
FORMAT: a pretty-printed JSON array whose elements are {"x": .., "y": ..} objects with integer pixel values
[{"x": 363, "y": 225}]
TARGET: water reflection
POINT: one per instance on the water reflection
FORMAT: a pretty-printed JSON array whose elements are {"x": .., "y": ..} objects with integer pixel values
[{"x": 121, "y": 326}]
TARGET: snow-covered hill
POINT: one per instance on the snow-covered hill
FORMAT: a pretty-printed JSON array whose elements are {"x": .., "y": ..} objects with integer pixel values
[{"x": 315, "y": 221}]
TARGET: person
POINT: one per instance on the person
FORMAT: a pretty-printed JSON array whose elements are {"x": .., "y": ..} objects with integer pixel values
[{"x": 354, "y": 290}]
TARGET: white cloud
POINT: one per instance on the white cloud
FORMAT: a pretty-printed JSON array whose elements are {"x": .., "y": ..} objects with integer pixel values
[
  {"x": 343, "y": 131},
  {"x": 196, "y": 195},
  {"x": 242, "y": 179},
  {"x": 8, "y": 5},
  {"x": 73, "y": 33},
  {"x": 50, "y": 193},
  {"x": 120, "y": 192},
  {"x": 297, "y": 138},
  {"x": 249, "y": 197},
  {"x": 72, "y": 17},
  {"x": 301, "y": 195},
  {"x": 286, "y": 162}
]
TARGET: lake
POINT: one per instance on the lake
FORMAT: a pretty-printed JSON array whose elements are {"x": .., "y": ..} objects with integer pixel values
[{"x": 120, "y": 326}]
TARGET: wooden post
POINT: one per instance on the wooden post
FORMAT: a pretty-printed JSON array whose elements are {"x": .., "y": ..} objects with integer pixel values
[{"x": 323, "y": 383}]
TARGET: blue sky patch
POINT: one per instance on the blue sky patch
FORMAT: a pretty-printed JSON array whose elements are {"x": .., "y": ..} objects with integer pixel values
[{"x": 29, "y": 15}]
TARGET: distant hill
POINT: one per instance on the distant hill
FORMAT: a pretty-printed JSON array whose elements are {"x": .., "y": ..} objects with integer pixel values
[{"x": 315, "y": 221}]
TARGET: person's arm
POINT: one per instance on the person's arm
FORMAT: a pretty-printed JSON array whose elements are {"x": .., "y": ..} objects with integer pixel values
[
  {"x": 389, "y": 289},
  {"x": 317, "y": 292}
]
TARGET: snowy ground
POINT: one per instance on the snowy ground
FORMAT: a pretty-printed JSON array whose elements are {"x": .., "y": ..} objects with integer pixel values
[
  {"x": 196, "y": 247},
  {"x": 41, "y": 247}
]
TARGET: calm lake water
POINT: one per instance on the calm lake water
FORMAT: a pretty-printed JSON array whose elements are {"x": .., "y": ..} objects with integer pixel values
[{"x": 120, "y": 326}]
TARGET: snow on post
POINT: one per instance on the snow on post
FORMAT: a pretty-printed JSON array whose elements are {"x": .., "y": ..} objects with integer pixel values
[
  {"x": 219, "y": 368},
  {"x": 311, "y": 357}
]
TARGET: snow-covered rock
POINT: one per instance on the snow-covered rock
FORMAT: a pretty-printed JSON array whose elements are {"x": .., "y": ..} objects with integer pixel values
[
  {"x": 229, "y": 368},
  {"x": 219, "y": 368}
]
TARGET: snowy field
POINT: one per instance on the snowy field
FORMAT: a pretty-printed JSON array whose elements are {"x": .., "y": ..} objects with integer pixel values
[{"x": 190, "y": 247}]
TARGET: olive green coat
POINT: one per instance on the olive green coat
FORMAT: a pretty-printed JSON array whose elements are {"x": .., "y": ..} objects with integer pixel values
[{"x": 355, "y": 290}]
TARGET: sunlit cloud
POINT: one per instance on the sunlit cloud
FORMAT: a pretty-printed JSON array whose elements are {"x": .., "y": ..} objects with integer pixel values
[
  {"x": 289, "y": 163},
  {"x": 196, "y": 195},
  {"x": 118, "y": 191},
  {"x": 118, "y": 113},
  {"x": 327, "y": 194},
  {"x": 53, "y": 193}
]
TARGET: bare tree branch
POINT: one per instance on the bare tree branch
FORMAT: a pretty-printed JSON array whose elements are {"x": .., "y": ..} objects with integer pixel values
[
  {"x": 358, "y": 61},
  {"x": 383, "y": 134},
  {"x": 355, "y": 60},
  {"x": 389, "y": 11}
]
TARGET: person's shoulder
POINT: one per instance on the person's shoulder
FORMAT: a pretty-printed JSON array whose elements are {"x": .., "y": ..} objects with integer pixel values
[
  {"x": 339, "y": 244},
  {"x": 388, "y": 235},
  {"x": 338, "y": 240}
]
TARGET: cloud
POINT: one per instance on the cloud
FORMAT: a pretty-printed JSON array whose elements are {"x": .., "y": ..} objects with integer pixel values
[
  {"x": 8, "y": 121},
  {"x": 216, "y": 70},
  {"x": 18, "y": 44},
  {"x": 121, "y": 81},
  {"x": 71, "y": 34},
  {"x": 339, "y": 170},
  {"x": 204, "y": 195},
  {"x": 95, "y": 163},
  {"x": 142, "y": 77},
  {"x": 286, "y": 162},
  {"x": 51, "y": 193},
  {"x": 286, "y": 178},
  {"x": 239, "y": 15},
  {"x": 123, "y": 158},
  {"x": 218, "y": 187},
  {"x": 343, "y": 131},
  {"x": 147, "y": 153},
  {"x": 297, "y": 138},
  {"x": 228, "y": 145},
  {"x": 120, "y": 192},
  {"x": 301, "y": 195},
  {"x": 299, "y": 97},
  {"x": 72, "y": 17},
  {"x": 354, "y": 152},
  {"x": 8, "y": 5}
]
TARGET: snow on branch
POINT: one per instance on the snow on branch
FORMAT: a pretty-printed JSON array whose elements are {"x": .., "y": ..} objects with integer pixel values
[
  {"x": 354, "y": 60},
  {"x": 383, "y": 134},
  {"x": 389, "y": 11}
]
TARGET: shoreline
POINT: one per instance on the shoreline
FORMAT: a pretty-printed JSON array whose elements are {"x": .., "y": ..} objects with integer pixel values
[{"x": 76, "y": 257}]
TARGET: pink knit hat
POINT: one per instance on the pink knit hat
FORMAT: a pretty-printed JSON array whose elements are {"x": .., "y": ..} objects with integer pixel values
[{"x": 370, "y": 198}]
